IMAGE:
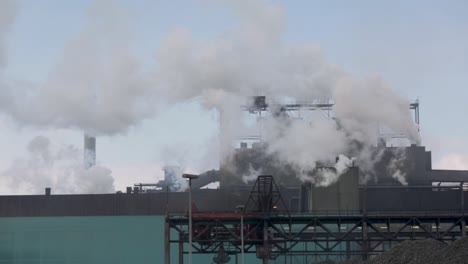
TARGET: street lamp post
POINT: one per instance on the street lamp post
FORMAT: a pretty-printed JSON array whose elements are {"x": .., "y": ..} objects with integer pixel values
[
  {"x": 190, "y": 177},
  {"x": 241, "y": 209}
]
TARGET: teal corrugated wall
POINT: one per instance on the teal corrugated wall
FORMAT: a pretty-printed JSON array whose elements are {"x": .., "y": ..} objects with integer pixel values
[
  {"x": 79, "y": 240},
  {"x": 88, "y": 240}
]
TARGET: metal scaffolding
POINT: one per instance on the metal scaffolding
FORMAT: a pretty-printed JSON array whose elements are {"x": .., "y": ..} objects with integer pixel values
[
  {"x": 308, "y": 238},
  {"x": 270, "y": 232}
]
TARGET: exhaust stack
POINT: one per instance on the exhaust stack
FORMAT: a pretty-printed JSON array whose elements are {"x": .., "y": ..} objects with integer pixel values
[{"x": 89, "y": 155}]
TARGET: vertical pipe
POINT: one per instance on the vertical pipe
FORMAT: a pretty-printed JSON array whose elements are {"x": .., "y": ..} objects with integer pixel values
[
  {"x": 364, "y": 225},
  {"x": 348, "y": 250},
  {"x": 463, "y": 227},
  {"x": 242, "y": 238},
  {"x": 167, "y": 247},
  {"x": 364, "y": 239},
  {"x": 462, "y": 203},
  {"x": 190, "y": 222},
  {"x": 462, "y": 199},
  {"x": 266, "y": 250},
  {"x": 417, "y": 110},
  {"x": 364, "y": 200},
  {"x": 181, "y": 252}
]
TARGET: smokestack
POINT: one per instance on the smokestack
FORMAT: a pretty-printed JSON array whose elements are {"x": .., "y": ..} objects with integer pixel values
[{"x": 89, "y": 155}]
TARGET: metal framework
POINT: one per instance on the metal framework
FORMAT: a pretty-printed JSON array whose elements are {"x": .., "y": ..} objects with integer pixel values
[
  {"x": 275, "y": 235},
  {"x": 259, "y": 105},
  {"x": 309, "y": 238},
  {"x": 265, "y": 197},
  {"x": 415, "y": 106}
]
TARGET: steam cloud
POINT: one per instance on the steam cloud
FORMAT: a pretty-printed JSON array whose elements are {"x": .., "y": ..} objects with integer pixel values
[
  {"x": 174, "y": 180},
  {"x": 58, "y": 167},
  {"x": 97, "y": 85},
  {"x": 253, "y": 61},
  {"x": 104, "y": 89}
]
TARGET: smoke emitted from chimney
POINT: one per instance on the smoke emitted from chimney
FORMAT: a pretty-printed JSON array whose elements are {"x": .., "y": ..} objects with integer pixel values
[
  {"x": 103, "y": 87},
  {"x": 364, "y": 105},
  {"x": 59, "y": 167},
  {"x": 253, "y": 60},
  {"x": 97, "y": 84},
  {"x": 173, "y": 179}
]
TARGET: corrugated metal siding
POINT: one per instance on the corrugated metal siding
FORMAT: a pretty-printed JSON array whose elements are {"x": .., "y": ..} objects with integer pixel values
[{"x": 80, "y": 240}]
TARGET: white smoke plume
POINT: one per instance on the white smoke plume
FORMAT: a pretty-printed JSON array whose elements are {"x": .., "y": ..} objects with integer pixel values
[
  {"x": 253, "y": 60},
  {"x": 251, "y": 175},
  {"x": 361, "y": 106},
  {"x": 367, "y": 157},
  {"x": 174, "y": 180},
  {"x": 394, "y": 167},
  {"x": 328, "y": 176},
  {"x": 97, "y": 85},
  {"x": 58, "y": 167},
  {"x": 175, "y": 160},
  {"x": 100, "y": 87},
  {"x": 302, "y": 144}
]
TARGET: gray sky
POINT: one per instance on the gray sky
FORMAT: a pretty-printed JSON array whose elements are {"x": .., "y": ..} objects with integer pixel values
[{"x": 419, "y": 48}]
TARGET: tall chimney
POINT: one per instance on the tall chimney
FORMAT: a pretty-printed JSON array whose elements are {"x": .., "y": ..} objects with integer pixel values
[{"x": 89, "y": 155}]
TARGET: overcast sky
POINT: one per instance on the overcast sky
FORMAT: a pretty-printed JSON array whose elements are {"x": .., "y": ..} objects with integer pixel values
[{"x": 419, "y": 48}]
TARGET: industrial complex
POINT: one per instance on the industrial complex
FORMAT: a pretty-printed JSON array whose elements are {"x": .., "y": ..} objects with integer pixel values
[{"x": 274, "y": 218}]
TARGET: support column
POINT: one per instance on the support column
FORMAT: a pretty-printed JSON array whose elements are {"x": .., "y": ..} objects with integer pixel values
[
  {"x": 348, "y": 250},
  {"x": 364, "y": 200},
  {"x": 364, "y": 224},
  {"x": 463, "y": 227},
  {"x": 364, "y": 240},
  {"x": 167, "y": 245},
  {"x": 181, "y": 253},
  {"x": 266, "y": 248},
  {"x": 462, "y": 205}
]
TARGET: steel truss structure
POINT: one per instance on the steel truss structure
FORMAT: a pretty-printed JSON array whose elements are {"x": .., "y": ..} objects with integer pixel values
[
  {"x": 258, "y": 105},
  {"x": 308, "y": 238},
  {"x": 271, "y": 233}
]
